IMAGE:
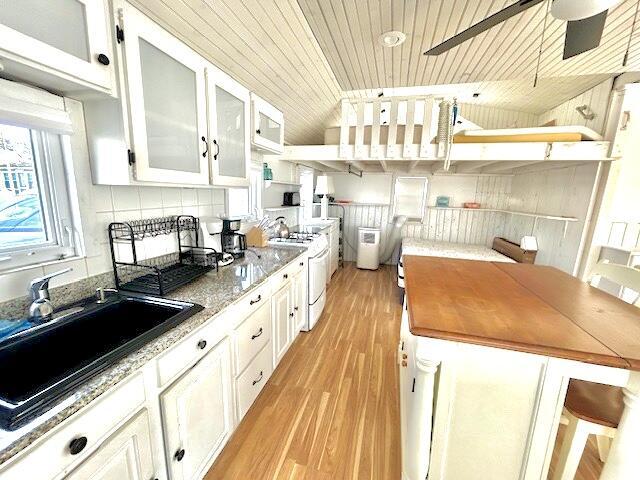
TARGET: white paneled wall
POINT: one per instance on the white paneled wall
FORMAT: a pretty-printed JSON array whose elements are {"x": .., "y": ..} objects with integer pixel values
[
  {"x": 567, "y": 192},
  {"x": 597, "y": 98},
  {"x": 490, "y": 118}
]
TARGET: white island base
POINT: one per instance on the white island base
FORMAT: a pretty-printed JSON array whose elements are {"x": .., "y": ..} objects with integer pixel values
[{"x": 472, "y": 412}]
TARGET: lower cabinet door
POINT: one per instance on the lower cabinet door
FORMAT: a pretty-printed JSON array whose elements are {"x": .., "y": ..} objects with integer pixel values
[
  {"x": 126, "y": 455},
  {"x": 197, "y": 414},
  {"x": 281, "y": 315},
  {"x": 300, "y": 301}
]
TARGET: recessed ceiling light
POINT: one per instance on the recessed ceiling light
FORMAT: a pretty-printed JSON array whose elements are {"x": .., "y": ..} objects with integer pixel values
[{"x": 392, "y": 39}]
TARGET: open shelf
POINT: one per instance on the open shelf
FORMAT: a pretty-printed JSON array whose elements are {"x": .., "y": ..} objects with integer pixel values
[
  {"x": 512, "y": 212},
  {"x": 273, "y": 209},
  {"x": 290, "y": 184}
]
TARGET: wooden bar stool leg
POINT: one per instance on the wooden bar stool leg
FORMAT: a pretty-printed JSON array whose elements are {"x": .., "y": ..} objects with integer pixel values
[
  {"x": 623, "y": 461},
  {"x": 575, "y": 439},
  {"x": 604, "y": 443}
]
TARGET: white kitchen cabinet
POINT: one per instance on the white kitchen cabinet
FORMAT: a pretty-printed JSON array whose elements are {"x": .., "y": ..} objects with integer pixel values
[
  {"x": 334, "y": 249},
  {"x": 406, "y": 365},
  {"x": 229, "y": 130},
  {"x": 66, "y": 40},
  {"x": 282, "y": 317},
  {"x": 299, "y": 285},
  {"x": 267, "y": 126},
  {"x": 197, "y": 414},
  {"x": 166, "y": 95},
  {"x": 127, "y": 455}
]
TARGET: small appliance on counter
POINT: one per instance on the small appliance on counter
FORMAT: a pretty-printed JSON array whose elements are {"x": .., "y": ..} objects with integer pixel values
[
  {"x": 291, "y": 199},
  {"x": 211, "y": 231},
  {"x": 232, "y": 241}
]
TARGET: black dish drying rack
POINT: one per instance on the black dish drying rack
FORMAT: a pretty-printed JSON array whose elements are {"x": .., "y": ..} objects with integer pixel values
[{"x": 163, "y": 274}]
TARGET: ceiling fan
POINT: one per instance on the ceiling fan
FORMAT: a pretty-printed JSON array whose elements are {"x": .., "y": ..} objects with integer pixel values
[{"x": 585, "y": 23}]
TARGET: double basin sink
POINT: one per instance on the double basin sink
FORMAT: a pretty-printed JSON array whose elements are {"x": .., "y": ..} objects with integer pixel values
[{"x": 41, "y": 365}]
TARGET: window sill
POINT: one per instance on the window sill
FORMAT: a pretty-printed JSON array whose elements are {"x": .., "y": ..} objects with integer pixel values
[{"x": 41, "y": 264}]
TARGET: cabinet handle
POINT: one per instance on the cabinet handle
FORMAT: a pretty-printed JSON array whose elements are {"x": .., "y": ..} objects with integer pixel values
[
  {"x": 215, "y": 156},
  {"x": 202, "y": 344},
  {"x": 179, "y": 455},
  {"x": 258, "y": 131},
  {"x": 77, "y": 445},
  {"x": 206, "y": 146},
  {"x": 259, "y": 379},
  {"x": 291, "y": 314},
  {"x": 295, "y": 308},
  {"x": 103, "y": 59},
  {"x": 253, "y": 337},
  {"x": 302, "y": 264},
  {"x": 256, "y": 300},
  {"x": 285, "y": 276}
]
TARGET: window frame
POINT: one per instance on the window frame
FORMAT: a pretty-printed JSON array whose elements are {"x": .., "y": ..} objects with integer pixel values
[
  {"x": 423, "y": 196},
  {"x": 50, "y": 151}
]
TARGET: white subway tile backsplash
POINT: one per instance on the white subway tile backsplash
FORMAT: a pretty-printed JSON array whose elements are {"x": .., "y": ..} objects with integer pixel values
[
  {"x": 125, "y": 198},
  {"x": 99, "y": 263},
  {"x": 205, "y": 196},
  {"x": 167, "y": 212},
  {"x": 218, "y": 210},
  {"x": 218, "y": 196},
  {"x": 16, "y": 284},
  {"x": 96, "y": 234},
  {"x": 171, "y": 197},
  {"x": 150, "y": 197},
  {"x": 78, "y": 272},
  {"x": 125, "y": 216},
  {"x": 205, "y": 211},
  {"x": 189, "y": 197},
  {"x": 102, "y": 198},
  {"x": 152, "y": 213},
  {"x": 190, "y": 211}
]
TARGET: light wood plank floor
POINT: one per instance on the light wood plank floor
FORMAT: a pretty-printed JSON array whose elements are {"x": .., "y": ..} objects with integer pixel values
[{"x": 330, "y": 410}]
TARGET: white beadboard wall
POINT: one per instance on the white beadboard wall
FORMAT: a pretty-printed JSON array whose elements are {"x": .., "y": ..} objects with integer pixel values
[
  {"x": 566, "y": 114},
  {"x": 567, "y": 192},
  {"x": 489, "y": 117}
]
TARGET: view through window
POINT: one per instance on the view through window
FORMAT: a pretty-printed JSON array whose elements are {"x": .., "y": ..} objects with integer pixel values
[{"x": 21, "y": 207}]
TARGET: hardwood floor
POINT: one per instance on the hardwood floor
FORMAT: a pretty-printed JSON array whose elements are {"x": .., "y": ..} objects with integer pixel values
[{"x": 330, "y": 410}]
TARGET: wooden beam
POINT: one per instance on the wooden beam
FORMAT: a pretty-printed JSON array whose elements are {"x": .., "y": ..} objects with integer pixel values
[
  {"x": 502, "y": 166},
  {"x": 473, "y": 166},
  {"x": 408, "y": 128},
  {"x": 359, "y": 151},
  {"x": 376, "y": 150},
  {"x": 425, "y": 139},
  {"x": 413, "y": 165},
  {"x": 384, "y": 165},
  {"x": 345, "y": 150},
  {"x": 392, "y": 148},
  {"x": 338, "y": 167}
]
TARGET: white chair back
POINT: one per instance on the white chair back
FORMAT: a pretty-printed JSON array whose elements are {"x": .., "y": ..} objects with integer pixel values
[{"x": 628, "y": 277}]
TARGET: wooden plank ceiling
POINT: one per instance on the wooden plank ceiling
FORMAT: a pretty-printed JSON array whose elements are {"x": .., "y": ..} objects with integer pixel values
[{"x": 304, "y": 55}]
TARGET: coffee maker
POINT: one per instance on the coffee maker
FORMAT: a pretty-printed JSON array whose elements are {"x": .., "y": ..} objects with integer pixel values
[{"x": 232, "y": 242}]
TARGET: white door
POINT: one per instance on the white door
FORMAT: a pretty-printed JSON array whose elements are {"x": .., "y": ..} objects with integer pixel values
[
  {"x": 167, "y": 104},
  {"x": 281, "y": 315},
  {"x": 267, "y": 125},
  {"x": 126, "y": 455},
  {"x": 197, "y": 414},
  {"x": 300, "y": 300},
  {"x": 67, "y": 37},
  {"x": 229, "y": 130}
]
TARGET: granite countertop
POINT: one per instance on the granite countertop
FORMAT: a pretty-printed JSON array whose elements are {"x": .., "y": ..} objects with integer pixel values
[
  {"x": 215, "y": 291},
  {"x": 431, "y": 248}
]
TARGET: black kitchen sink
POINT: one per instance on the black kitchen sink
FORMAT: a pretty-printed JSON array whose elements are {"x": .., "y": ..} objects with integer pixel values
[{"x": 40, "y": 365}]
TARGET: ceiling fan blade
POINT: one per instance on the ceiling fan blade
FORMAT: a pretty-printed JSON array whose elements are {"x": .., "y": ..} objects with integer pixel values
[
  {"x": 583, "y": 35},
  {"x": 486, "y": 24}
]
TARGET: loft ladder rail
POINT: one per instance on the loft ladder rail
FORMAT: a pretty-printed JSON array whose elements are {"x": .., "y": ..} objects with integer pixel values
[{"x": 400, "y": 148}]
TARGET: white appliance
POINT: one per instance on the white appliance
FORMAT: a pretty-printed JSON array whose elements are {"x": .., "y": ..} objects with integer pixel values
[
  {"x": 318, "y": 258},
  {"x": 324, "y": 186},
  {"x": 368, "y": 248}
]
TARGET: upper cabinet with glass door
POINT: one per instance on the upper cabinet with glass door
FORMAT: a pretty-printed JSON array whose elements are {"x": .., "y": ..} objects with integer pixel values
[
  {"x": 267, "y": 126},
  {"x": 167, "y": 104},
  {"x": 229, "y": 124},
  {"x": 59, "y": 44}
]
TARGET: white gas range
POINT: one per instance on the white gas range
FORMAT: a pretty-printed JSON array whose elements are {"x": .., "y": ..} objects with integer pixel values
[{"x": 318, "y": 257}]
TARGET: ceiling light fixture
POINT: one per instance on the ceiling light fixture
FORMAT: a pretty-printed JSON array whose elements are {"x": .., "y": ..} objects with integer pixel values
[
  {"x": 572, "y": 10},
  {"x": 392, "y": 38}
]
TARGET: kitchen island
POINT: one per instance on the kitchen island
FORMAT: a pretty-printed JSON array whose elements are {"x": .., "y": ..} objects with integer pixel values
[{"x": 486, "y": 354}]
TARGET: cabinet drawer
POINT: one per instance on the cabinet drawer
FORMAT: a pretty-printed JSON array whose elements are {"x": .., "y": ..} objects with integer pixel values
[
  {"x": 286, "y": 273},
  {"x": 52, "y": 456},
  {"x": 252, "y": 301},
  {"x": 190, "y": 349},
  {"x": 252, "y": 381},
  {"x": 251, "y": 336}
]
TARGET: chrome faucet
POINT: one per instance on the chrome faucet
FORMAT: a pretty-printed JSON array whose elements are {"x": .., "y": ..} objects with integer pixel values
[
  {"x": 41, "y": 309},
  {"x": 100, "y": 294}
]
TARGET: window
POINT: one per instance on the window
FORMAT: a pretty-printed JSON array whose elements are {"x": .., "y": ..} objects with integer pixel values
[
  {"x": 410, "y": 194},
  {"x": 243, "y": 202},
  {"x": 35, "y": 213},
  {"x": 306, "y": 191}
]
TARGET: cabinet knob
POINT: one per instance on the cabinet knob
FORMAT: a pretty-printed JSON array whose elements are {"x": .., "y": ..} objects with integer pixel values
[
  {"x": 103, "y": 59},
  {"x": 286, "y": 275},
  {"x": 179, "y": 455},
  {"x": 295, "y": 308},
  {"x": 291, "y": 314},
  {"x": 404, "y": 356},
  {"x": 77, "y": 445},
  {"x": 258, "y": 131},
  {"x": 404, "y": 363},
  {"x": 202, "y": 344},
  {"x": 256, "y": 300}
]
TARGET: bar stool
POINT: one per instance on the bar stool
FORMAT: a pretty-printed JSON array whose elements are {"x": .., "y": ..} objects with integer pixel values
[{"x": 593, "y": 408}]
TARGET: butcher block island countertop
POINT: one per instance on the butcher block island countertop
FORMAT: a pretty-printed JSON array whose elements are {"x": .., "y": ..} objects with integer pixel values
[{"x": 527, "y": 308}]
